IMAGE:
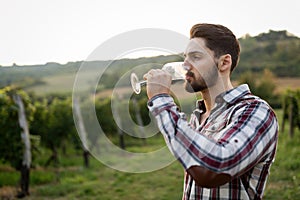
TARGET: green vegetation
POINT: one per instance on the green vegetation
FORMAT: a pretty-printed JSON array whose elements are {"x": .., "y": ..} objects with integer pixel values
[
  {"x": 12, "y": 152},
  {"x": 54, "y": 77},
  {"x": 276, "y": 51},
  {"x": 284, "y": 180},
  {"x": 291, "y": 113},
  {"x": 72, "y": 181}
]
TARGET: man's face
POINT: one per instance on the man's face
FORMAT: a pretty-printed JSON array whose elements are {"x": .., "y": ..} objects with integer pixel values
[{"x": 202, "y": 69}]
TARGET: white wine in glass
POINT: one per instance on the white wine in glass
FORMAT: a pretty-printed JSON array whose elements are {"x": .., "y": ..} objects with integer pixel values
[{"x": 176, "y": 69}]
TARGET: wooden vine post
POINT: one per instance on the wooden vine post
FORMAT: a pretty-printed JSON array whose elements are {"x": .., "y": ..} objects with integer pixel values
[
  {"x": 25, "y": 168},
  {"x": 291, "y": 112},
  {"x": 82, "y": 132}
]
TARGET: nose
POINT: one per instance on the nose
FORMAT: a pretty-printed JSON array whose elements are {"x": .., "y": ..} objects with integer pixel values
[{"x": 186, "y": 65}]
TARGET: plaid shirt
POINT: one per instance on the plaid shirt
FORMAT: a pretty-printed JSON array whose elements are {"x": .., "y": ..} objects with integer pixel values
[{"x": 238, "y": 138}]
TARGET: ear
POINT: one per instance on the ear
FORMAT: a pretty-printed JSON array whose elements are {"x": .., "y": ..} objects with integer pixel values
[{"x": 225, "y": 63}]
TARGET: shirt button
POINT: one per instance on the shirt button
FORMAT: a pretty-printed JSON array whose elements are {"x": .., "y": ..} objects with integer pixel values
[{"x": 150, "y": 103}]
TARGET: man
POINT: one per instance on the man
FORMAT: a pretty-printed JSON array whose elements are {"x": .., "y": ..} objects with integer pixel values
[{"x": 230, "y": 143}]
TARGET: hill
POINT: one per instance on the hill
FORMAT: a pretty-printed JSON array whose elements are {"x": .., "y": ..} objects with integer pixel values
[
  {"x": 276, "y": 50},
  {"x": 54, "y": 77}
]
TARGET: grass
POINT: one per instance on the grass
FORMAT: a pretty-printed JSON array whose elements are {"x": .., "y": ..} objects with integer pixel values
[
  {"x": 101, "y": 182},
  {"x": 284, "y": 180},
  {"x": 72, "y": 181}
]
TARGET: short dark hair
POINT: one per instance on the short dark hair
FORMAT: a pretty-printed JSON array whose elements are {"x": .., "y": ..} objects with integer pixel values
[{"x": 219, "y": 39}]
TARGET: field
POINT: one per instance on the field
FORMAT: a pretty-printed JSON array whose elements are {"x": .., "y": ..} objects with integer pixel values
[
  {"x": 65, "y": 82},
  {"x": 72, "y": 181},
  {"x": 287, "y": 83}
]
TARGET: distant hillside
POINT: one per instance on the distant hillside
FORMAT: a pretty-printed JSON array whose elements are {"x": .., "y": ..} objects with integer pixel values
[
  {"x": 276, "y": 50},
  {"x": 62, "y": 77}
]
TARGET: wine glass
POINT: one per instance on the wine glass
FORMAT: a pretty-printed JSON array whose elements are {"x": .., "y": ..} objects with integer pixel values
[{"x": 176, "y": 69}]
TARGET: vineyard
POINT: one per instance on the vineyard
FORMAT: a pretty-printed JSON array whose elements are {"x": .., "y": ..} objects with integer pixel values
[
  {"x": 42, "y": 150},
  {"x": 60, "y": 168}
]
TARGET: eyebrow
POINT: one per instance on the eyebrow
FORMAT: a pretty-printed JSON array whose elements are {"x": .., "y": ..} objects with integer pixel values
[{"x": 193, "y": 52}]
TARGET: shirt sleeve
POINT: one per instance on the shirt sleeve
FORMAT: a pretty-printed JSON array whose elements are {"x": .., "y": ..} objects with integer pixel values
[{"x": 250, "y": 136}]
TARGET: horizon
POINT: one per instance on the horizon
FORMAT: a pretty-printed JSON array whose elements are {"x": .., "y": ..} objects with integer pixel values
[
  {"x": 36, "y": 32},
  {"x": 133, "y": 55}
]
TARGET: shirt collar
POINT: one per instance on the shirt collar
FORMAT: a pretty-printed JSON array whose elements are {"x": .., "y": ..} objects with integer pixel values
[{"x": 231, "y": 96}]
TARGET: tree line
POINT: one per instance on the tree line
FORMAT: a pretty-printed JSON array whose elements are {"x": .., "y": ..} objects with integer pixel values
[{"x": 276, "y": 50}]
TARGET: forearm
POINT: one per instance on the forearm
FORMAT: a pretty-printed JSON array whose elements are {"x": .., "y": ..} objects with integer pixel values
[{"x": 187, "y": 145}]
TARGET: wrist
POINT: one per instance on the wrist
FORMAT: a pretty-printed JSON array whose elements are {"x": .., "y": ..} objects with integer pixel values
[{"x": 159, "y": 101}]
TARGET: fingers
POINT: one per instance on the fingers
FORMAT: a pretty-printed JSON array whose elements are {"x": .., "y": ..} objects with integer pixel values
[
  {"x": 158, "y": 82},
  {"x": 147, "y": 76},
  {"x": 154, "y": 73}
]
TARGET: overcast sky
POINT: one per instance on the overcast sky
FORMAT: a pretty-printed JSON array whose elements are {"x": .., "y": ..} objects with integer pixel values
[{"x": 41, "y": 31}]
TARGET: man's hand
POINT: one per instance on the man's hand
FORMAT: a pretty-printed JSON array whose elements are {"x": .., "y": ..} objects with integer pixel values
[{"x": 158, "y": 82}]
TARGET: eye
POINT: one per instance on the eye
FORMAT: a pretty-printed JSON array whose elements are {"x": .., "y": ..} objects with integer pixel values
[{"x": 196, "y": 57}]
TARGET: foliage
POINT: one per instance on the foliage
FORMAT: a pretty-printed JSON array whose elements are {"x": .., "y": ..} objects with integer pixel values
[
  {"x": 284, "y": 180},
  {"x": 53, "y": 122},
  {"x": 275, "y": 36},
  {"x": 277, "y": 51},
  {"x": 60, "y": 121},
  {"x": 262, "y": 85},
  {"x": 138, "y": 103},
  {"x": 291, "y": 109},
  {"x": 39, "y": 125},
  {"x": 104, "y": 115},
  {"x": 71, "y": 181},
  {"x": 11, "y": 145}
]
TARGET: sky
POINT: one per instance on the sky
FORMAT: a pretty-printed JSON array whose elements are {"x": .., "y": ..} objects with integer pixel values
[{"x": 41, "y": 31}]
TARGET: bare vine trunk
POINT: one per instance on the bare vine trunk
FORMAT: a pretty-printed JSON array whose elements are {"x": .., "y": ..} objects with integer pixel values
[{"x": 82, "y": 132}]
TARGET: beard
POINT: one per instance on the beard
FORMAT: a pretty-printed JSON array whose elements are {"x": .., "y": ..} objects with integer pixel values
[{"x": 203, "y": 82}]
